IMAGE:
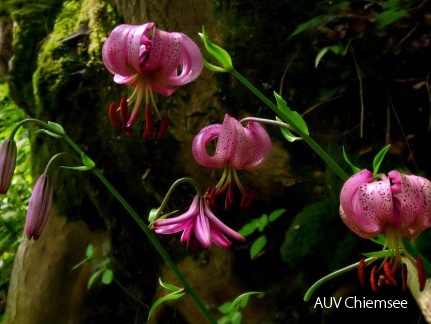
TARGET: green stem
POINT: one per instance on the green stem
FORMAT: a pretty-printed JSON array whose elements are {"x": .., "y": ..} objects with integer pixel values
[
  {"x": 56, "y": 157},
  {"x": 172, "y": 188},
  {"x": 316, "y": 147},
  {"x": 157, "y": 245},
  {"x": 332, "y": 275},
  {"x": 34, "y": 121},
  {"x": 266, "y": 121}
]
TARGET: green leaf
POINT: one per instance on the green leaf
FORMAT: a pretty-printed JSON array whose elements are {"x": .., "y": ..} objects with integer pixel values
[
  {"x": 220, "y": 55},
  {"x": 171, "y": 296},
  {"x": 48, "y": 133},
  {"x": 287, "y": 133},
  {"x": 224, "y": 309},
  {"x": 294, "y": 119},
  {"x": 107, "y": 276},
  {"x": 380, "y": 239},
  {"x": 249, "y": 228},
  {"x": 168, "y": 286},
  {"x": 242, "y": 300},
  {"x": 89, "y": 252},
  {"x": 336, "y": 49},
  {"x": 320, "y": 55},
  {"x": 388, "y": 17},
  {"x": 77, "y": 168},
  {"x": 276, "y": 214},
  {"x": 213, "y": 67},
  {"x": 93, "y": 278},
  {"x": 346, "y": 158},
  {"x": 223, "y": 320},
  {"x": 236, "y": 318},
  {"x": 257, "y": 246},
  {"x": 153, "y": 215},
  {"x": 306, "y": 25},
  {"x": 89, "y": 163},
  {"x": 379, "y": 158},
  {"x": 57, "y": 128},
  {"x": 263, "y": 222}
]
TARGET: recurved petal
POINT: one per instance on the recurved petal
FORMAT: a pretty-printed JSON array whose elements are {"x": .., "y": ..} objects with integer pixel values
[
  {"x": 115, "y": 50},
  {"x": 191, "y": 213},
  {"x": 218, "y": 238},
  {"x": 412, "y": 200},
  {"x": 376, "y": 205},
  {"x": 351, "y": 209},
  {"x": 199, "y": 147},
  {"x": 260, "y": 146},
  {"x": 217, "y": 223},
  {"x": 189, "y": 64},
  {"x": 202, "y": 227},
  {"x": 139, "y": 47}
]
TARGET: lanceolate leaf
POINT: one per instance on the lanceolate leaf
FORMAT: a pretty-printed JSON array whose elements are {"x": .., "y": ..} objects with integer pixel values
[
  {"x": 379, "y": 158},
  {"x": 257, "y": 246},
  {"x": 171, "y": 296},
  {"x": 293, "y": 118}
]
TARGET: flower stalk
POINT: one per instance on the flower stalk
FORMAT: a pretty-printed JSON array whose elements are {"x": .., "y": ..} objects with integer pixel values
[
  {"x": 286, "y": 118},
  {"x": 157, "y": 245}
]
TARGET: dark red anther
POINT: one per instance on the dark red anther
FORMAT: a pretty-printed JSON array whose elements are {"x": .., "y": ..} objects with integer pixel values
[
  {"x": 361, "y": 269},
  {"x": 163, "y": 127},
  {"x": 246, "y": 199},
  {"x": 389, "y": 273},
  {"x": 124, "y": 111},
  {"x": 373, "y": 278},
  {"x": 113, "y": 115},
  {"x": 404, "y": 278},
  {"x": 210, "y": 197},
  {"x": 149, "y": 122},
  {"x": 230, "y": 195},
  {"x": 422, "y": 278}
]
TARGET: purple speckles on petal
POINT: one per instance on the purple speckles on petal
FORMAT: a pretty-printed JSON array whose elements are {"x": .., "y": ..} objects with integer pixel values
[
  {"x": 237, "y": 146},
  {"x": 399, "y": 203}
]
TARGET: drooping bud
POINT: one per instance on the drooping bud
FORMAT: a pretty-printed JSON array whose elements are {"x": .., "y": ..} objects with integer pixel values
[
  {"x": 7, "y": 164},
  {"x": 39, "y": 207}
]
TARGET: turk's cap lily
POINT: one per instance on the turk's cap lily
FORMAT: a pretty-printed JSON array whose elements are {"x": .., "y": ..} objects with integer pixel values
[
  {"x": 39, "y": 207},
  {"x": 143, "y": 55},
  {"x": 8, "y": 153},
  {"x": 200, "y": 227},
  {"x": 237, "y": 146},
  {"x": 397, "y": 203}
]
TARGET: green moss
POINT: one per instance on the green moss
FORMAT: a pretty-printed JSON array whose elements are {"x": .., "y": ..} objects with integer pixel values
[
  {"x": 33, "y": 21},
  {"x": 72, "y": 48},
  {"x": 317, "y": 236}
]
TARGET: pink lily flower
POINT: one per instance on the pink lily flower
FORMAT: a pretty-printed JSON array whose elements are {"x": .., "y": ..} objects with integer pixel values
[
  {"x": 238, "y": 147},
  {"x": 39, "y": 207},
  {"x": 397, "y": 206},
  {"x": 149, "y": 60},
  {"x": 7, "y": 164},
  {"x": 200, "y": 227}
]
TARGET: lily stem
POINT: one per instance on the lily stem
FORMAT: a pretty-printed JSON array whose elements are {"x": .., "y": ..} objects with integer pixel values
[
  {"x": 316, "y": 147},
  {"x": 332, "y": 275},
  {"x": 157, "y": 245}
]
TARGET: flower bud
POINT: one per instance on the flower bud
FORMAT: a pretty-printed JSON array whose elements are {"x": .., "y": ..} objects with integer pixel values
[
  {"x": 39, "y": 207},
  {"x": 7, "y": 164}
]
